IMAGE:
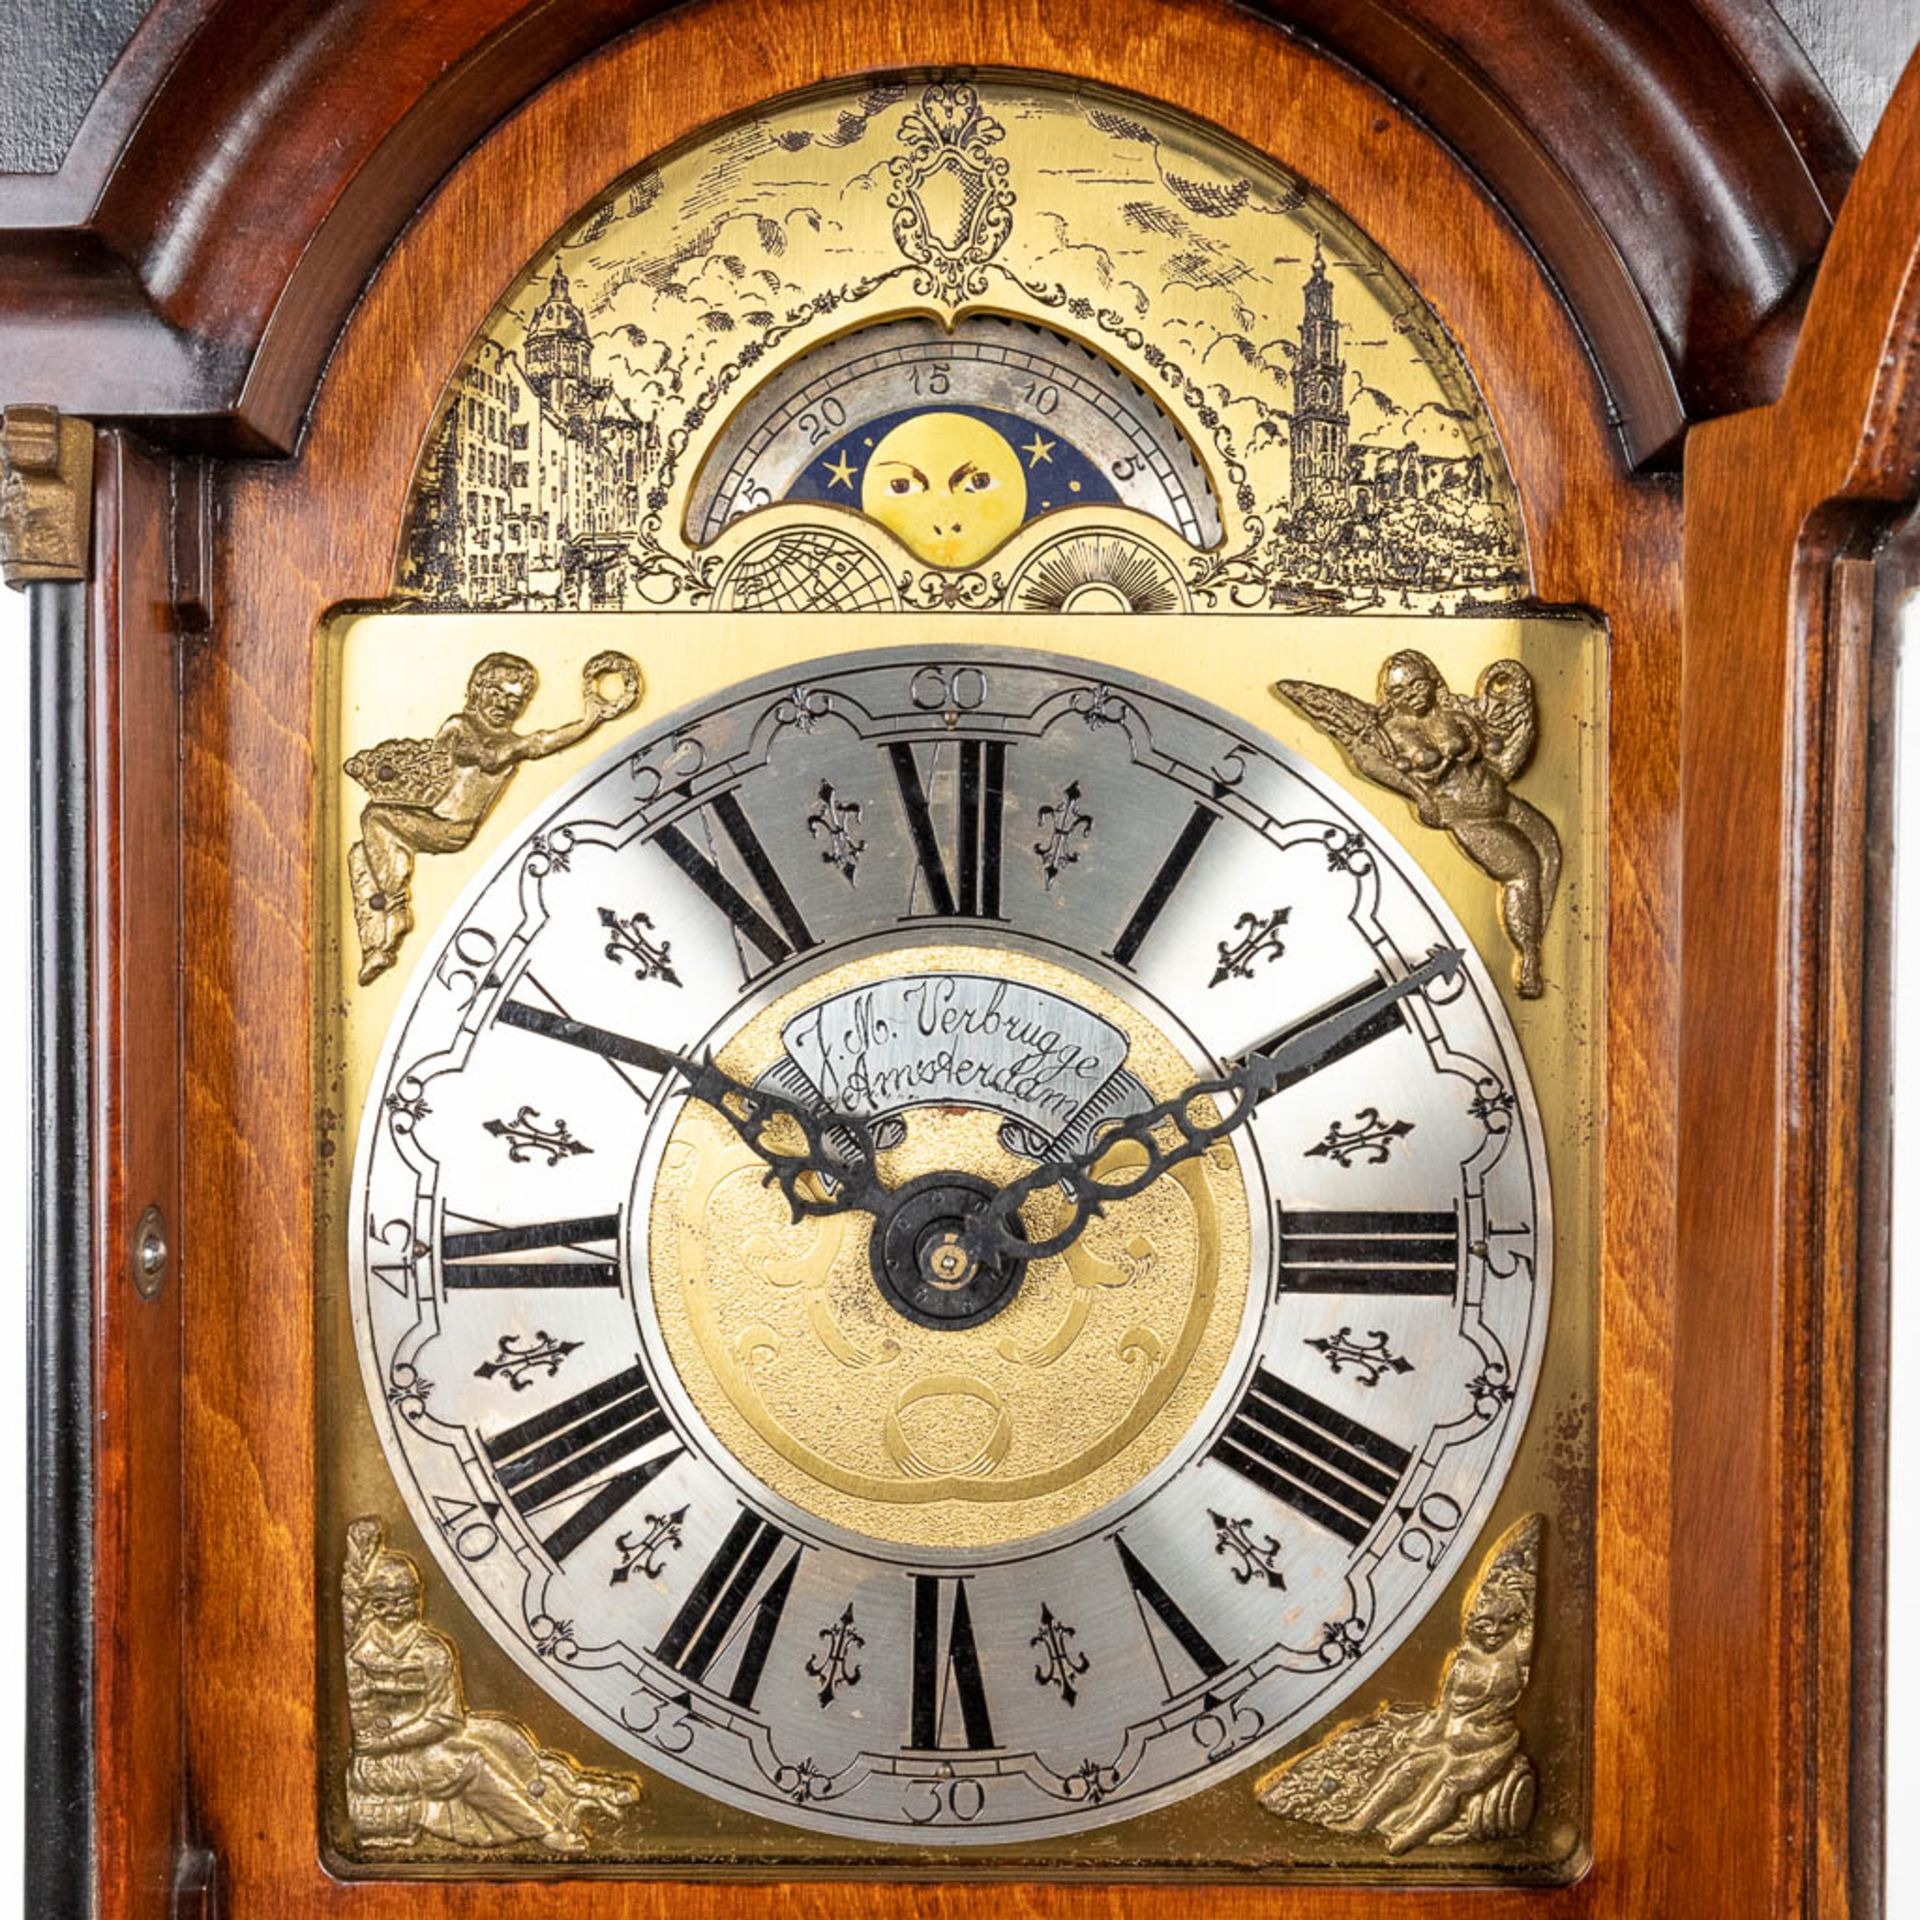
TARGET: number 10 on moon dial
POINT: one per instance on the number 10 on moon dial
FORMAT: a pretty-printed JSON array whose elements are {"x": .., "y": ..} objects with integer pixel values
[{"x": 953, "y": 1252}]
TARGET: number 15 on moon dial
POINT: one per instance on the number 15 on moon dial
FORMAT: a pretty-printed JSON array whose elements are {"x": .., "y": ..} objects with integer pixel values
[{"x": 952, "y": 1252}]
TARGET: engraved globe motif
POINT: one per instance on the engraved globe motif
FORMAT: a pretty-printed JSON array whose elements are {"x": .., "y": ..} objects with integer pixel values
[{"x": 807, "y": 570}]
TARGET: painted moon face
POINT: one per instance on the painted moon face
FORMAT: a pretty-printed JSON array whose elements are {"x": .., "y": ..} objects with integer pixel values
[{"x": 947, "y": 485}]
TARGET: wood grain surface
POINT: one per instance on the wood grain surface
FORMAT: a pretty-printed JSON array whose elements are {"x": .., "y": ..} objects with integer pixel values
[
  {"x": 138, "y": 1036},
  {"x": 1785, "y": 508}
]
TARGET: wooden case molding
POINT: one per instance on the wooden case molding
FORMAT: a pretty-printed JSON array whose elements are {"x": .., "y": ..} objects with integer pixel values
[
  {"x": 244, "y": 168},
  {"x": 277, "y": 230}
]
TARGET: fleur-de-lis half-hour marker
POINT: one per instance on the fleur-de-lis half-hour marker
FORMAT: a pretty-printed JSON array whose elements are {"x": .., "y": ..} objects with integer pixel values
[
  {"x": 833, "y": 1665},
  {"x": 517, "y": 1358},
  {"x": 1257, "y": 1559},
  {"x": 1368, "y": 1140},
  {"x": 525, "y": 1137},
  {"x": 1259, "y": 935},
  {"x": 644, "y": 1553},
  {"x": 833, "y": 821},
  {"x": 1062, "y": 824},
  {"x": 1059, "y": 1666},
  {"x": 1372, "y": 1358},
  {"x": 628, "y": 942}
]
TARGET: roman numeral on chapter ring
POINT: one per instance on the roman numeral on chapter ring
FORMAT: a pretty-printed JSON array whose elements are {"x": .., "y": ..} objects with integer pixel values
[
  {"x": 972, "y": 889},
  {"x": 711, "y": 1616},
  {"x": 1380, "y": 1250},
  {"x": 542, "y": 1460},
  {"x": 1390, "y": 1019},
  {"x": 482, "y": 1258},
  {"x": 749, "y": 922},
  {"x": 934, "y": 1672},
  {"x": 1153, "y": 1598},
  {"x": 1161, "y": 888},
  {"x": 1332, "y": 1469},
  {"x": 618, "y": 1047}
]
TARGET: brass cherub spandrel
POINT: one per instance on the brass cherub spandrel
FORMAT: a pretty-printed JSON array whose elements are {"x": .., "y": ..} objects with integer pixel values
[
  {"x": 425, "y": 1767},
  {"x": 431, "y": 796},
  {"x": 1455, "y": 759},
  {"x": 1452, "y": 1772}
]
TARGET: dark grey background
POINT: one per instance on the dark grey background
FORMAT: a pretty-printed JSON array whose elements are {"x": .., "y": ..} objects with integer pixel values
[{"x": 1859, "y": 47}]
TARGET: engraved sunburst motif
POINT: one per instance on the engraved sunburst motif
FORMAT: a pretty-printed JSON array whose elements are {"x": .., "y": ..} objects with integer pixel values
[{"x": 1097, "y": 573}]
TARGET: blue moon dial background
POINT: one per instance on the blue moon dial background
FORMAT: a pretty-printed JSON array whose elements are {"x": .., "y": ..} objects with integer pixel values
[{"x": 1058, "y": 473}]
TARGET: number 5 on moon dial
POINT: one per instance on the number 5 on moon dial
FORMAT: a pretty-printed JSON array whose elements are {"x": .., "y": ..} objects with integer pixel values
[{"x": 979, "y": 1234}]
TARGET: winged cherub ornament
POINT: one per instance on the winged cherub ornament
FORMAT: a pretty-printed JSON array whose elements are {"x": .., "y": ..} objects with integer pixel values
[
  {"x": 432, "y": 796},
  {"x": 1455, "y": 760}
]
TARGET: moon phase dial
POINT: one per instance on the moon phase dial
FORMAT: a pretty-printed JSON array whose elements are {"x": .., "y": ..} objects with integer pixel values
[
  {"x": 1027, "y": 410},
  {"x": 707, "y": 1402}
]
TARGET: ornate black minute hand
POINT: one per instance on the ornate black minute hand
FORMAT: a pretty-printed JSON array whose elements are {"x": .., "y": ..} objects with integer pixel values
[
  {"x": 845, "y": 1183},
  {"x": 989, "y": 1234}
]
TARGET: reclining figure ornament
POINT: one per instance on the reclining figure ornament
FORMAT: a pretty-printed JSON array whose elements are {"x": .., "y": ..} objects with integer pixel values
[
  {"x": 424, "y": 1767},
  {"x": 1455, "y": 759},
  {"x": 1446, "y": 1774},
  {"x": 432, "y": 796}
]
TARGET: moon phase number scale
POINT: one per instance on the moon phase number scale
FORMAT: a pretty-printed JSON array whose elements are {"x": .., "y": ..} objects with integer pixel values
[{"x": 960, "y": 1270}]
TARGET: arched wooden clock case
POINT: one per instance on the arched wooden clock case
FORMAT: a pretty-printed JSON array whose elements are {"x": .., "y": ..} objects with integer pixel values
[{"x": 1349, "y": 538}]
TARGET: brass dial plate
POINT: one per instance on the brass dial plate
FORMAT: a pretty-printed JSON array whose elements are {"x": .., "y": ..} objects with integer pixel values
[
  {"x": 897, "y": 863},
  {"x": 782, "y": 411}
]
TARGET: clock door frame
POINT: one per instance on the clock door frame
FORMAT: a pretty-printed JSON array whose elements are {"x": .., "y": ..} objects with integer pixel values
[{"x": 282, "y": 295}]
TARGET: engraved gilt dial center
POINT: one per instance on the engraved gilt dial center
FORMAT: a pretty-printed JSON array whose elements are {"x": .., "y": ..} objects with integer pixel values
[{"x": 871, "y": 1367}]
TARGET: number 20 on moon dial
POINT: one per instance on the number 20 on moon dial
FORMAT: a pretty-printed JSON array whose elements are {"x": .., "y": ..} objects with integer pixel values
[{"x": 952, "y": 1252}]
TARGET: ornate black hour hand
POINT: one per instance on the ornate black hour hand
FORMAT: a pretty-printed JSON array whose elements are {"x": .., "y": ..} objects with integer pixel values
[
  {"x": 991, "y": 1233},
  {"x": 845, "y": 1182}
]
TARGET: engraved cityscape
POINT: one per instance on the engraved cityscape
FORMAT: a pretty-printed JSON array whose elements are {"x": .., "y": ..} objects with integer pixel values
[{"x": 1318, "y": 444}]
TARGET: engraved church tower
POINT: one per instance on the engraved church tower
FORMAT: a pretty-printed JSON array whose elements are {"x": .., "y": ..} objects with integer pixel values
[
  {"x": 559, "y": 350},
  {"x": 1319, "y": 398}
]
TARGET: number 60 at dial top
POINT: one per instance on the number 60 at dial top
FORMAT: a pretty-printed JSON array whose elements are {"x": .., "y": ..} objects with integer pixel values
[{"x": 953, "y": 1252}]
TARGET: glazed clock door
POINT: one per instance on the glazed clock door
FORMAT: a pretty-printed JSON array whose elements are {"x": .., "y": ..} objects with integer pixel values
[{"x": 964, "y": 889}]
